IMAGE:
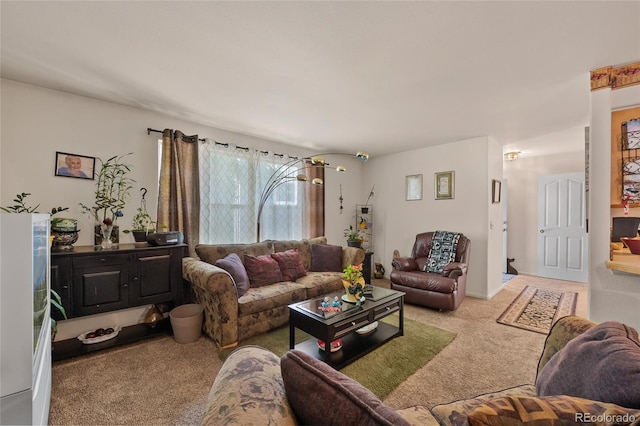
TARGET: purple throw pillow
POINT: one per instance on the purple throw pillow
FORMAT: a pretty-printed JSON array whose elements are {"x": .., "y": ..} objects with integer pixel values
[
  {"x": 326, "y": 258},
  {"x": 601, "y": 364},
  {"x": 262, "y": 270},
  {"x": 233, "y": 265},
  {"x": 344, "y": 401},
  {"x": 290, "y": 264}
]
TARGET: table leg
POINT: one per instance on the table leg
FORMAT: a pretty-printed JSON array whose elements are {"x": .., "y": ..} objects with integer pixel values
[
  {"x": 292, "y": 335},
  {"x": 401, "y": 316}
]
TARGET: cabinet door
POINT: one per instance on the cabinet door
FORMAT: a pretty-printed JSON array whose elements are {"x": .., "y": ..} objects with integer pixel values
[
  {"x": 153, "y": 277},
  {"x": 61, "y": 283},
  {"x": 100, "y": 284}
]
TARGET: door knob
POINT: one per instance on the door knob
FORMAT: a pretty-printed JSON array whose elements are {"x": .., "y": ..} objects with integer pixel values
[{"x": 542, "y": 231}]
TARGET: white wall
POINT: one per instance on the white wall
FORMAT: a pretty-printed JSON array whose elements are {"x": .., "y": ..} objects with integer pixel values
[
  {"x": 495, "y": 253},
  {"x": 397, "y": 221},
  {"x": 611, "y": 296},
  {"x": 522, "y": 215},
  {"x": 37, "y": 122}
]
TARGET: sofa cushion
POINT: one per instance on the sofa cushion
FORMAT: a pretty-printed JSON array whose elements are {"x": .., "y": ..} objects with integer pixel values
[
  {"x": 290, "y": 264},
  {"x": 321, "y": 283},
  {"x": 303, "y": 247},
  {"x": 233, "y": 265},
  {"x": 318, "y": 394},
  {"x": 602, "y": 364},
  {"x": 559, "y": 409},
  {"x": 269, "y": 297},
  {"x": 210, "y": 253},
  {"x": 262, "y": 270},
  {"x": 326, "y": 258},
  {"x": 455, "y": 413}
]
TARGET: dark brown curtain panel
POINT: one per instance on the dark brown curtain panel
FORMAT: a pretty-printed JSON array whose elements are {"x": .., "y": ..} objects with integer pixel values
[
  {"x": 314, "y": 208},
  {"x": 179, "y": 189}
]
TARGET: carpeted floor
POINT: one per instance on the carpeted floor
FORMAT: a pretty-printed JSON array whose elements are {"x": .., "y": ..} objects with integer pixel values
[{"x": 485, "y": 356}]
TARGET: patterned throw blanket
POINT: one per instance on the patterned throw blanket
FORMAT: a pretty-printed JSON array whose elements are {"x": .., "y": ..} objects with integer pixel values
[{"x": 443, "y": 251}]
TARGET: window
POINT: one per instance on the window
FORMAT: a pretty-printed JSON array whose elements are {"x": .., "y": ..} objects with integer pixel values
[{"x": 231, "y": 181}]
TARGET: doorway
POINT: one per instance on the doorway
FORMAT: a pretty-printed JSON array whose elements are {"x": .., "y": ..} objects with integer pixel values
[{"x": 563, "y": 249}]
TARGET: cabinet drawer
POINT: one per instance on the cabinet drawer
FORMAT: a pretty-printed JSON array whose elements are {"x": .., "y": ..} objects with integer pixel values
[
  {"x": 352, "y": 324},
  {"x": 99, "y": 260},
  {"x": 386, "y": 309}
]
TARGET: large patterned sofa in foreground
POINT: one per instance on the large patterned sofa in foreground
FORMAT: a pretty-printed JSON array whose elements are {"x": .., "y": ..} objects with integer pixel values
[
  {"x": 245, "y": 288},
  {"x": 587, "y": 374}
]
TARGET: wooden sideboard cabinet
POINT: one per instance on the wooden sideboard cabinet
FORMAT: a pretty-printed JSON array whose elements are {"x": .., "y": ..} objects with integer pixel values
[{"x": 92, "y": 281}]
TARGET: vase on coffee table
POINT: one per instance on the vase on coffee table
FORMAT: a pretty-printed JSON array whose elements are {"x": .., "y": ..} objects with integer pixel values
[{"x": 353, "y": 291}]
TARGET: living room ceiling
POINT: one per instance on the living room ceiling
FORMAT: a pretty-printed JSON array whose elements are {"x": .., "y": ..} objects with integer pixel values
[{"x": 379, "y": 76}]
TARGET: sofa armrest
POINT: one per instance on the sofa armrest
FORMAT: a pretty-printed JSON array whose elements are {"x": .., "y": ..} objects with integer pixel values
[
  {"x": 404, "y": 264},
  {"x": 565, "y": 329},
  {"x": 249, "y": 390},
  {"x": 454, "y": 270},
  {"x": 352, "y": 256},
  {"x": 214, "y": 289}
]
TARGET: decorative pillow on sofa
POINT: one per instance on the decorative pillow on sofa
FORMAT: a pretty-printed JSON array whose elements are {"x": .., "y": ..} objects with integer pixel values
[
  {"x": 318, "y": 394},
  {"x": 559, "y": 409},
  {"x": 602, "y": 364},
  {"x": 233, "y": 265},
  {"x": 290, "y": 264},
  {"x": 262, "y": 270},
  {"x": 326, "y": 258}
]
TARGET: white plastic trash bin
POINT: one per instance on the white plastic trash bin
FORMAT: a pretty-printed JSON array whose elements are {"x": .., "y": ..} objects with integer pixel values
[{"x": 186, "y": 321}]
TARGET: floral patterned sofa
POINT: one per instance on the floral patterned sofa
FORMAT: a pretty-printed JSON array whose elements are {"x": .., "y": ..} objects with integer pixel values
[
  {"x": 593, "y": 366},
  {"x": 244, "y": 294}
]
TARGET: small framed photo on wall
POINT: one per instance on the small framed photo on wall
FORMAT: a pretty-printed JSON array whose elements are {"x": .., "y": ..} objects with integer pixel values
[
  {"x": 444, "y": 185},
  {"x": 413, "y": 187},
  {"x": 496, "y": 191},
  {"x": 74, "y": 165}
]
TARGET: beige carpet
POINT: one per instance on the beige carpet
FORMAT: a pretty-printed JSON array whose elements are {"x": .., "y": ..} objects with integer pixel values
[
  {"x": 172, "y": 390},
  {"x": 537, "y": 309}
]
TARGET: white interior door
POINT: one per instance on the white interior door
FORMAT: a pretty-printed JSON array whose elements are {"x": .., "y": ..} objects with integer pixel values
[{"x": 562, "y": 233}]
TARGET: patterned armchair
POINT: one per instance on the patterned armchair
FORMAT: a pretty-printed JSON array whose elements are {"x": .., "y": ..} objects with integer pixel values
[{"x": 435, "y": 275}]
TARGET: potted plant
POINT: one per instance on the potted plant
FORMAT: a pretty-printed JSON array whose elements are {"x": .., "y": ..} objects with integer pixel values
[
  {"x": 363, "y": 223},
  {"x": 353, "y": 283},
  {"x": 56, "y": 302},
  {"x": 354, "y": 239},
  {"x": 64, "y": 230},
  {"x": 21, "y": 207},
  {"x": 143, "y": 224},
  {"x": 113, "y": 186}
]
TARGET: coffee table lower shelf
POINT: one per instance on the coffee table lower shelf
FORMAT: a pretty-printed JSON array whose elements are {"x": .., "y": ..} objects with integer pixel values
[{"x": 354, "y": 346}]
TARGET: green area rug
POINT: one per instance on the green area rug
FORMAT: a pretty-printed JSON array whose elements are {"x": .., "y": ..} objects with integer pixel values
[{"x": 382, "y": 370}]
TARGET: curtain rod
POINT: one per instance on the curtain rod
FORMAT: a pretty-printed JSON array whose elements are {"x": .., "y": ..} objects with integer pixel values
[{"x": 149, "y": 130}]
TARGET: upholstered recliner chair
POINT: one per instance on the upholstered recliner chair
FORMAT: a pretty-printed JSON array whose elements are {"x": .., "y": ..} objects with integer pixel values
[{"x": 435, "y": 275}]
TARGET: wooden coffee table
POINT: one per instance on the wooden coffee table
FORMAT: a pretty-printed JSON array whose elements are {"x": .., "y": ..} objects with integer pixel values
[{"x": 343, "y": 323}]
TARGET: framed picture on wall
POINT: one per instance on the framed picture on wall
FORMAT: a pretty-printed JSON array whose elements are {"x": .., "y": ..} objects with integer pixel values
[
  {"x": 444, "y": 185},
  {"x": 496, "y": 191},
  {"x": 74, "y": 165},
  {"x": 413, "y": 187}
]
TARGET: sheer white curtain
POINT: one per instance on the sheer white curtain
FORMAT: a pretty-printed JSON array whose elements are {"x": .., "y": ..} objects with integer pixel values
[{"x": 231, "y": 181}]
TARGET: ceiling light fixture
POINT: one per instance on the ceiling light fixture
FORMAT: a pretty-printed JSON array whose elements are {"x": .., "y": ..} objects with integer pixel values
[{"x": 511, "y": 155}]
